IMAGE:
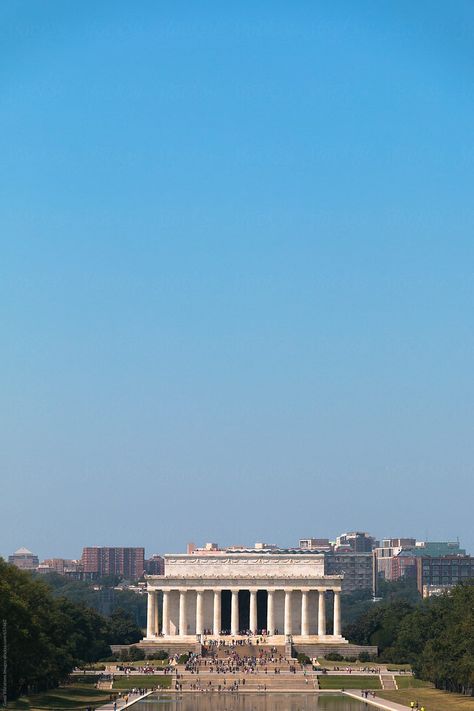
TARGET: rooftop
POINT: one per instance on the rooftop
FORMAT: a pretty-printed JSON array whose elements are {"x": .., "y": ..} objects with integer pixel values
[{"x": 23, "y": 551}]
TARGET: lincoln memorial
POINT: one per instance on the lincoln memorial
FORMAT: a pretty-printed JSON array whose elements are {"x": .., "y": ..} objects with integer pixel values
[{"x": 270, "y": 593}]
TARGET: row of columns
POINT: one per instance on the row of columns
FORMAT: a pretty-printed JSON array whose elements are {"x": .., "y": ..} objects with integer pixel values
[{"x": 153, "y": 622}]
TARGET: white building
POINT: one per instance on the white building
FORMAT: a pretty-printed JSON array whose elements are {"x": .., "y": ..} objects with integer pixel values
[{"x": 277, "y": 593}]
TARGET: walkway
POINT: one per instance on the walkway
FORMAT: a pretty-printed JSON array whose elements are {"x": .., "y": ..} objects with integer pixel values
[
  {"x": 132, "y": 699},
  {"x": 376, "y": 701}
]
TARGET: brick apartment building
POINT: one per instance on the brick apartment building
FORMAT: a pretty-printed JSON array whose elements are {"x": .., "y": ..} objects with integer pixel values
[
  {"x": 99, "y": 561},
  {"x": 155, "y": 565}
]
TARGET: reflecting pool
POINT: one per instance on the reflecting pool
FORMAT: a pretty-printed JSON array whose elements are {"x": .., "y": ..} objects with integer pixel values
[{"x": 249, "y": 702}]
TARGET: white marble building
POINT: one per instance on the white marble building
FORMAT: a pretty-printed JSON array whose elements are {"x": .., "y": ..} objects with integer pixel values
[{"x": 273, "y": 592}]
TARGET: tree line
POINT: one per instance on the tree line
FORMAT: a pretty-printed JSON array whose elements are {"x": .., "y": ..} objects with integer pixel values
[
  {"x": 47, "y": 636},
  {"x": 435, "y": 636}
]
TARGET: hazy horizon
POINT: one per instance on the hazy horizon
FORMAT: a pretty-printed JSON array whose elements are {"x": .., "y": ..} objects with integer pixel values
[{"x": 236, "y": 276}]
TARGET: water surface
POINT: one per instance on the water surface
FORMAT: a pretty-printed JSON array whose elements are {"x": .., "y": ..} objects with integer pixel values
[{"x": 249, "y": 702}]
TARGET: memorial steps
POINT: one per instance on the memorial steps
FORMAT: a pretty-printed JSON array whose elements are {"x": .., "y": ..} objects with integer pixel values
[{"x": 250, "y": 682}]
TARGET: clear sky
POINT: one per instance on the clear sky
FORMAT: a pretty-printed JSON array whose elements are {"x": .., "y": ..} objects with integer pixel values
[{"x": 236, "y": 271}]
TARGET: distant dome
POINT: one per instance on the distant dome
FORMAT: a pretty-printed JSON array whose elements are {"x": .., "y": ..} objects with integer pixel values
[{"x": 23, "y": 551}]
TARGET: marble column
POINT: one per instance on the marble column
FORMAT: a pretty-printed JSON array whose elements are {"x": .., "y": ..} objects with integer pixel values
[
  {"x": 217, "y": 625},
  {"x": 156, "y": 622},
  {"x": 288, "y": 598},
  {"x": 150, "y": 614},
  {"x": 322, "y": 614},
  {"x": 183, "y": 614},
  {"x": 253, "y": 611},
  {"x": 199, "y": 612},
  {"x": 337, "y": 614},
  {"x": 270, "y": 612},
  {"x": 165, "y": 624},
  {"x": 305, "y": 613},
  {"x": 234, "y": 613}
]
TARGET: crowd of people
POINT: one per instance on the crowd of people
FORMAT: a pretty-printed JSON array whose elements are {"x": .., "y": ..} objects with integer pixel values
[
  {"x": 220, "y": 686},
  {"x": 366, "y": 670},
  {"x": 250, "y": 639},
  {"x": 144, "y": 669},
  {"x": 234, "y": 663},
  {"x": 243, "y": 633}
]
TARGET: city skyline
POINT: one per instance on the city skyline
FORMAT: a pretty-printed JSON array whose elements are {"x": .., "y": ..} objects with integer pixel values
[
  {"x": 363, "y": 563},
  {"x": 150, "y": 551}
]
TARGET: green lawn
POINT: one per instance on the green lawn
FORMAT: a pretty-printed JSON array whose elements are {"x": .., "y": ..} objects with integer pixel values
[
  {"x": 100, "y": 666},
  {"x": 73, "y": 696},
  {"x": 145, "y": 681},
  {"x": 348, "y": 681},
  {"x": 431, "y": 699},
  {"x": 409, "y": 682}
]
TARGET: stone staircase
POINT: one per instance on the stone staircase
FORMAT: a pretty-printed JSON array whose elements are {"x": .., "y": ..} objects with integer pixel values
[
  {"x": 388, "y": 682},
  {"x": 301, "y": 679},
  {"x": 285, "y": 681}
]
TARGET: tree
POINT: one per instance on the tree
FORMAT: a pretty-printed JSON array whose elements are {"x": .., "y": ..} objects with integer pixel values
[
  {"x": 403, "y": 589},
  {"x": 122, "y": 628},
  {"x": 48, "y": 636},
  {"x": 435, "y": 635},
  {"x": 447, "y": 658},
  {"x": 379, "y": 625}
]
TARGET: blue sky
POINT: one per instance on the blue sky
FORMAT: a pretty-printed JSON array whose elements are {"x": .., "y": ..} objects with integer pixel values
[{"x": 236, "y": 274}]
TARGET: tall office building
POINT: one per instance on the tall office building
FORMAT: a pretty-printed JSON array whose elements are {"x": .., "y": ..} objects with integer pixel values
[
  {"x": 357, "y": 541},
  {"x": 443, "y": 571}
]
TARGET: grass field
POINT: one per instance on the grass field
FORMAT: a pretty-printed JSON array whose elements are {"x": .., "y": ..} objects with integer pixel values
[
  {"x": 409, "y": 682},
  {"x": 145, "y": 681},
  {"x": 74, "y": 696},
  {"x": 99, "y": 666},
  {"x": 348, "y": 681},
  {"x": 431, "y": 699}
]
